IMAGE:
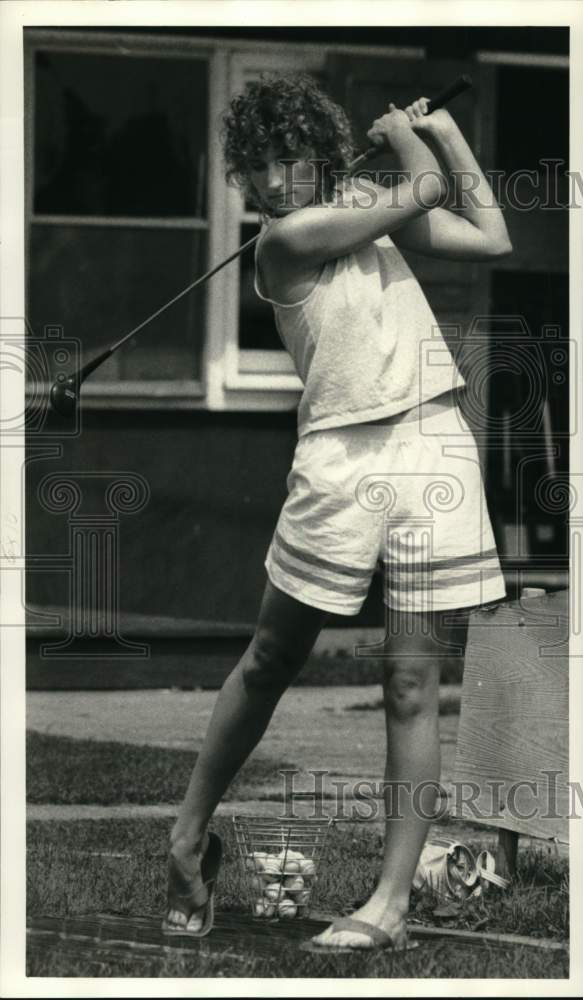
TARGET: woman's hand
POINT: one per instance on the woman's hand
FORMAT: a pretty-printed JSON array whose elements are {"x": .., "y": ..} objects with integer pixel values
[
  {"x": 477, "y": 230},
  {"x": 438, "y": 123},
  {"x": 390, "y": 130}
]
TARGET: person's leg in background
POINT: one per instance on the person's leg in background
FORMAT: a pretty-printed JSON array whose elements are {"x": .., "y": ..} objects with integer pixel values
[
  {"x": 417, "y": 642},
  {"x": 285, "y": 634}
]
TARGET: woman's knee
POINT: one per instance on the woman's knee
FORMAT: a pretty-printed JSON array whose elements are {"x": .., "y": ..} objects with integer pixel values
[
  {"x": 410, "y": 690},
  {"x": 269, "y": 663}
]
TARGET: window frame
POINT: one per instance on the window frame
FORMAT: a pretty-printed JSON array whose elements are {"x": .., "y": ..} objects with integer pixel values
[
  {"x": 231, "y": 378},
  {"x": 135, "y": 393},
  {"x": 246, "y": 368}
]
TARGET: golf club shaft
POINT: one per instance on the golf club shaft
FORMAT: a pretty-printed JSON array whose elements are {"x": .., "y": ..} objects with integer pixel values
[
  {"x": 189, "y": 288},
  {"x": 457, "y": 87}
]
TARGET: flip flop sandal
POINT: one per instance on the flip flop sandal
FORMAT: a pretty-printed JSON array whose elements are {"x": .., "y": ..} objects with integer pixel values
[
  {"x": 382, "y": 940},
  {"x": 180, "y": 891},
  {"x": 486, "y": 869}
]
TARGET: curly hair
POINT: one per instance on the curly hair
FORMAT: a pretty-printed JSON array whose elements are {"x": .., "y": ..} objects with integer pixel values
[{"x": 288, "y": 112}]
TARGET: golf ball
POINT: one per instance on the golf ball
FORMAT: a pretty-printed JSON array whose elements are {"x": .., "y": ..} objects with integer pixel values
[
  {"x": 292, "y": 867},
  {"x": 287, "y": 909},
  {"x": 290, "y": 855},
  {"x": 272, "y": 866},
  {"x": 272, "y": 891},
  {"x": 294, "y": 883},
  {"x": 302, "y": 898},
  {"x": 308, "y": 867},
  {"x": 262, "y": 908},
  {"x": 257, "y": 860}
]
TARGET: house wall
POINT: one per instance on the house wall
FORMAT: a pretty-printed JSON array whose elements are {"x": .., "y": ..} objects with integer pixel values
[{"x": 216, "y": 480}]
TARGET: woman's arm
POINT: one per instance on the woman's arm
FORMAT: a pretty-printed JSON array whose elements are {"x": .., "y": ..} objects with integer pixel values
[
  {"x": 478, "y": 232},
  {"x": 309, "y": 237}
]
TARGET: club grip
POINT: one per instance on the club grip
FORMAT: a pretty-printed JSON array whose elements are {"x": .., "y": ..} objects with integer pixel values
[{"x": 458, "y": 86}]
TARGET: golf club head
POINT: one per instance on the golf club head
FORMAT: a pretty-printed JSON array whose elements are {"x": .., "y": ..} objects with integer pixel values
[{"x": 64, "y": 396}]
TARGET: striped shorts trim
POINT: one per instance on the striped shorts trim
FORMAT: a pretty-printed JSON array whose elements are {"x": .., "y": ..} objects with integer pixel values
[
  {"x": 432, "y": 540},
  {"x": 306, "y": 568}
]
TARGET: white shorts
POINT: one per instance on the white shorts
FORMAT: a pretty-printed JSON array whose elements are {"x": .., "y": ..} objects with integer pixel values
[{"x": 407, "y": 497}]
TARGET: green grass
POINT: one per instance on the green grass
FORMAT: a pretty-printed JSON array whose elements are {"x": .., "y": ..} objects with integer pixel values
[
  {"x": 67, "y": 771},
  {"x": 436, "y": 961},
  {"x": 119, "y": 865},
  {"x": 79, "y": 867}
]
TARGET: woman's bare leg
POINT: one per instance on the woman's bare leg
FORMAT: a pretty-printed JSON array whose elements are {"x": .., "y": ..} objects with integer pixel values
[
  {"x": 285, "y": 633},
  {"x": 411, "y": 694}
]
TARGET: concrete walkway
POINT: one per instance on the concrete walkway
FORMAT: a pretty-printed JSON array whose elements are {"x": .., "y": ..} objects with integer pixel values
[
  {"x": 486, "y": 837},
  {"x": 313, "y": 729}
]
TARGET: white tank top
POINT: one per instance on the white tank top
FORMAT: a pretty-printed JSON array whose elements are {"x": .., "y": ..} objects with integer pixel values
[{"x": 364, "y": 341}]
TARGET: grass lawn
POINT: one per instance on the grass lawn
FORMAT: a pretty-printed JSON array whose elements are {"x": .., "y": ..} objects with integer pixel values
[
  {"x": 119, "y": 866},
  {"x": 81, "y": 867},
  {"x": 66, "y": 771}
]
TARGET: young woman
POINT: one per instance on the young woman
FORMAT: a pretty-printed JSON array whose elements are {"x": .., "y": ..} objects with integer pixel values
[{"x": 372, "y": 479}]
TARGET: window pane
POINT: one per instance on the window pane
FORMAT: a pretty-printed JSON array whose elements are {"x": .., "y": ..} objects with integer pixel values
[
  {"x": 98, "y": 283},
  {"x": 120, "y": 135},
  {"x": 256, "y": 324},
  {"x": 525, "y": 374},
  {"x": 522, "y": 141}
]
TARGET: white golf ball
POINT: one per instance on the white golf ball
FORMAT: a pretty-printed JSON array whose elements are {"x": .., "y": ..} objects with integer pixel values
[
  {"x": 257, "y": 859},
  {"x": 272, "y": 891},
  {"x": 290, "y": 855},
  {"x": 287, "y": 909},
  {"x": 263, "y": 908},
  {"x": 293, "y": 884},
  {"x": 302, "y": 898},
  {"x": 272, "y": 866},
  {"x": 308, "y": 867},
  {"x": 292, "y": 867}
]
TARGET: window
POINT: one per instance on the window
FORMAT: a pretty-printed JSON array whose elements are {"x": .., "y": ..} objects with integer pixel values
[
  {"x": 126, "y": 205},
  {"x": 118, "y": 220},
  {"x": 528, "y": 454}
]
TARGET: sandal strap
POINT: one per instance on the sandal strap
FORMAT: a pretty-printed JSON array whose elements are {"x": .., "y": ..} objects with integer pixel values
[
  {"x": 495, "y": 879},
  {"x": 380, "y": 937},
  {"x": 180, "y": 886},
  {"x": 211, "y": 861}
]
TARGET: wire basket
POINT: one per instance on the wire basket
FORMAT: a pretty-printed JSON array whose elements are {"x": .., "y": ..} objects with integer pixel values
[{"x": 280, "y": 861}]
